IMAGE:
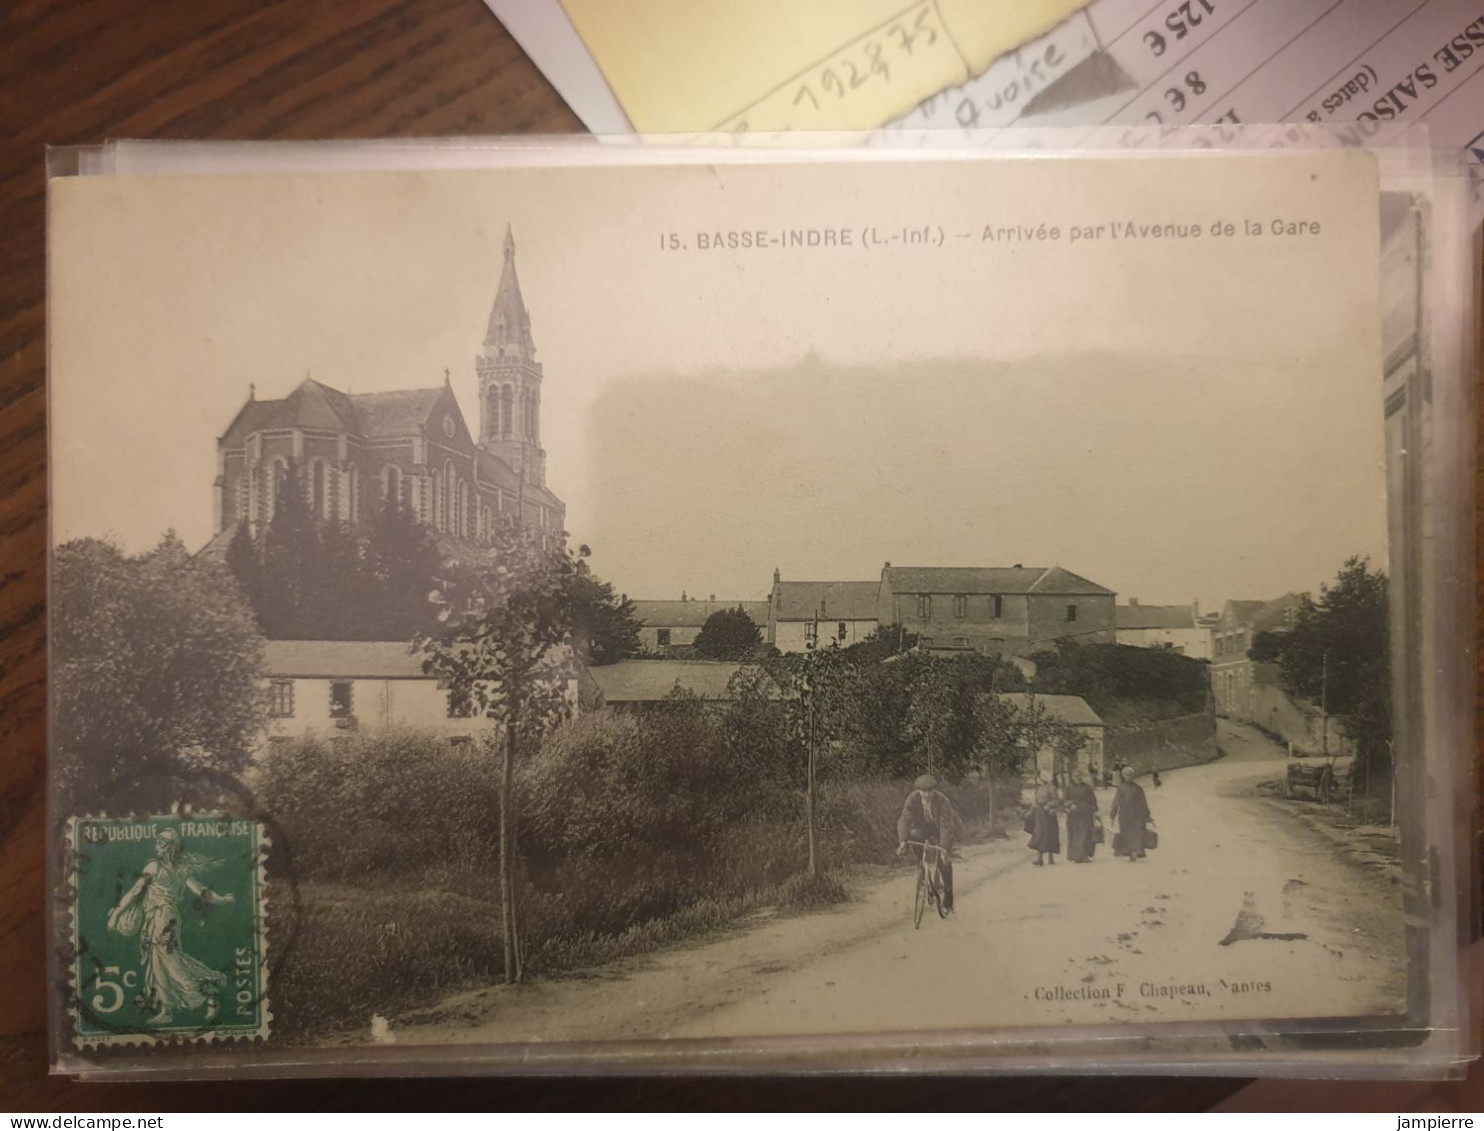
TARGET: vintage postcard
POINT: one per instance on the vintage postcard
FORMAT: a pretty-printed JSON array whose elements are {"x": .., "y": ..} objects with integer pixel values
[{"x": 689, "y": 604}]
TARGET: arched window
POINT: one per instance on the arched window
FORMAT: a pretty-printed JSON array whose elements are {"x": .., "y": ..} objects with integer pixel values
[
  {"x": 507, "y": 411},
  {"x": 438, "y": 502},
  {"x": 352, "y": 494},
  {"x": 278, "y": 475},
  {"x": 450, "y": 498},
  {"x": 391, "y": 483},
  {"x": 319, "y": 494},
  {"x": 463, "y": 509},
  {"x": 254, "y": 497},
  {"x": 492, "y": 395}
]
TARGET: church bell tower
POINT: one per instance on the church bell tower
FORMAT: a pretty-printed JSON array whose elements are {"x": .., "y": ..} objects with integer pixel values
[{"x": 510, "y": 380}]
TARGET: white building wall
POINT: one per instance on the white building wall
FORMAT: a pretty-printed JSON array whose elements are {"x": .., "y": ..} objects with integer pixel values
[
  {"x": 375, "y": 704},
  {"x": 1192, "y": 642},
  {"x": 794, "y": 635}
]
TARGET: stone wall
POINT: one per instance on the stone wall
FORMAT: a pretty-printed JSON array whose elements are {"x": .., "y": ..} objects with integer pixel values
[{"x": 1166, "y": 744}]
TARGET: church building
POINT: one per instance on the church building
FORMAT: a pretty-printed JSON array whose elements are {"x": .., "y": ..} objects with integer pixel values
[{"x": 354, "y": 451}]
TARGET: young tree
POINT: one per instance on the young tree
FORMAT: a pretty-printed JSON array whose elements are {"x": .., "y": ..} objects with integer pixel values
[
  {"x": 290, "y": 557},
  {"x": 155, "y": 668},
  {"x": 1338, "y": 654},
  {"x": 605, "y": 628},
  {"x": 884, "y": 640},
  {"x": 403, "y": 562},
  {"x": 728, "y": 634},
  {"x": 502, "y": 646}
]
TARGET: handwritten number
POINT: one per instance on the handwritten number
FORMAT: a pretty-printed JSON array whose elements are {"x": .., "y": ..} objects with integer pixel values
[
  {"x": 1177, "y": 100},
  {"x": 927, "y": 31},
  {"x": 1195, "y": 82},
  {"x": 1156, "y": 43},
  {"x": 831, "y": 83},
  {"x": 967, "y": 113},
  {"x": 878, "y": 64},
  {"x": 799, "y": 97},
  {"x": 856, "y": 78},
  {"x": 1154, "y": 117}
]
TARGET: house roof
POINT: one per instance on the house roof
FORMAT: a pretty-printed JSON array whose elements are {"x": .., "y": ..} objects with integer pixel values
[
  {"x": 342, "y": 659},
  {"x": 649, "y": 681},
  {"x": 1153, "y": 616},
  {"x": 1070, "y": 709},
  {"x": 693, "y": 614},
  {"x": 1261, "y": 616},
  {"x": 1275, "y": 614},
  {"x": 990, "y": 579},
  {"x": 826, "y": 600}
]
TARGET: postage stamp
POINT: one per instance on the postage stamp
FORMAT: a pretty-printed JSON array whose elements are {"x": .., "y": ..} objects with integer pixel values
[{"x": 168, "y": 929}]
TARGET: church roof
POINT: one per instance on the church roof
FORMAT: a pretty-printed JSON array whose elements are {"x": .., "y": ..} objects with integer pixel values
[
  {"x": 827, "y": 600},
  {"x": 509, "y": 309},
  {"x": 314, "y": 404},
  {"x": 990, "y": 579},
  {"x": 542, "y": 495},
  {"x": 397, "y": 413},
  {"x": 492, "y": 469}
]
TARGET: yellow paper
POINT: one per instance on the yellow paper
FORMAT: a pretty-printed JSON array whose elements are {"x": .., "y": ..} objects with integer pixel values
[{"x": 682, "y": 66}]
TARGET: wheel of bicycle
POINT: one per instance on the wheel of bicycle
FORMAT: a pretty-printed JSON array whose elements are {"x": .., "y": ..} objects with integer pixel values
[{"x": 919, "y": 904}]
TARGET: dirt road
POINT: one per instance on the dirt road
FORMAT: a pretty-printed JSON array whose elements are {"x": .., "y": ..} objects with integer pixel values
[{"x": 1108, "y": 940}]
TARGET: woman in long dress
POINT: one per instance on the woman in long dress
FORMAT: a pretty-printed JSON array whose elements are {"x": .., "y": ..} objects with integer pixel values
[
  {"x": 1131, "y": 809},
  {"x": 1082, "y": 812},
  {"x": 1045, "y": 839},
  {"x": 151, "y": 909}
]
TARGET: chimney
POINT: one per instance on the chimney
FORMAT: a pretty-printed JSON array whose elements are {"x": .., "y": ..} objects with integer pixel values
[
  {"x": 683, "y": 597},
  {"x": 1195, "y": 608},
  {"x": 712, "y": 599},
  {"x": 1133, "y": 602}
]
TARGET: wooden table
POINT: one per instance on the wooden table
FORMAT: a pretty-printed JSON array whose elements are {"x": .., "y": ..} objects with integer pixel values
[{"x": 85, "y": 71}]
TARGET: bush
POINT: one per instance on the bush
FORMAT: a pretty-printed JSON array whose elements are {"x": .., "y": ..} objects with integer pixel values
[
  {"x": 1164, "y": 683},
  {"x": 387, "y": 804}
]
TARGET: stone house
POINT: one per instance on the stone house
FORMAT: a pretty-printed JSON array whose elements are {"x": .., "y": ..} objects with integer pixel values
[
  {"x": 1004, "y": 610},
  {"x": 670, "y": 626},
  {"x": 804, "y": 615}
]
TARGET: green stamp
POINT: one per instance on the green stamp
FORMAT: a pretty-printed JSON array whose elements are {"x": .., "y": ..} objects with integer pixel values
[{"x": 168, "y": 930}]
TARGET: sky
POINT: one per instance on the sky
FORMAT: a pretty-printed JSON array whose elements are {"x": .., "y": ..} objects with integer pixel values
[{"x": 1173, "y": 419}]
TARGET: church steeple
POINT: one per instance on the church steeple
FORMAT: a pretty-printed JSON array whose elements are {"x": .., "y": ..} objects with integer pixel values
[{"x": 510, "y": 378}]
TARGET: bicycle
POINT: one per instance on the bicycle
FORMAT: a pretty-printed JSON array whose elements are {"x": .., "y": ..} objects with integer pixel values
[{"x": 929, "y": 881}]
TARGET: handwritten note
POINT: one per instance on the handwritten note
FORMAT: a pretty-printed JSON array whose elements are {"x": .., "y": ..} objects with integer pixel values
[
  {"x": 1370, "y": 67},
  {"x": 683, "y": 66}
]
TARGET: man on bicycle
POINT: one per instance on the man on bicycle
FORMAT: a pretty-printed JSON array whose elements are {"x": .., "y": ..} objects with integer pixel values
[{"x": 928, "y": 817}]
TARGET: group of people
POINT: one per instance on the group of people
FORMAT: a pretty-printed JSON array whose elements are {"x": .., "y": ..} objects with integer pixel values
[
  {"x": 928, "y": 817},
  {"x": 1130, "y": 810}
]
